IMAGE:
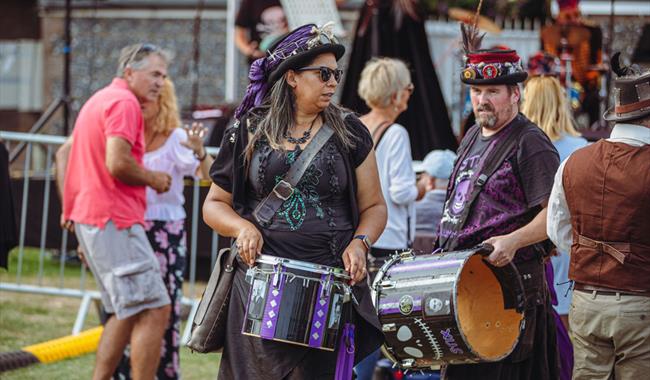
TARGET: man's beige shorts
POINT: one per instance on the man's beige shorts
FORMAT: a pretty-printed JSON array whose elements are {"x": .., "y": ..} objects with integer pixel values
[
  {"x": 125, "y": 268},
  {"x": 611, "y": 335}
]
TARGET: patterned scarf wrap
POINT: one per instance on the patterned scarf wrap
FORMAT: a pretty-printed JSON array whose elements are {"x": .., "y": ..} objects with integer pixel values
[{"x": 294, "y": 45}]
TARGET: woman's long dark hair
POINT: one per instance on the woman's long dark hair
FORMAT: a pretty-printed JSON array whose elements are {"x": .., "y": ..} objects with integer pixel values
[{"x": 276, "y": 114}]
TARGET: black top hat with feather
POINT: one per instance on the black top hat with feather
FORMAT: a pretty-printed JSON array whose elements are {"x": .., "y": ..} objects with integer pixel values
[
  {"x": 631, "y": 93},
  {"x": 488, "y": 66}
]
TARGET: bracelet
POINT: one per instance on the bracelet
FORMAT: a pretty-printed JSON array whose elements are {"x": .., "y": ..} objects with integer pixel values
[{"x": 205, "y": 154}]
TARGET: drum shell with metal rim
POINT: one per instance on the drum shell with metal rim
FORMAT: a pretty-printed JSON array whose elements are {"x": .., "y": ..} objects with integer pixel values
[
  {"x": 449, "y": 307},
  {"x": 295, "y": 302}
]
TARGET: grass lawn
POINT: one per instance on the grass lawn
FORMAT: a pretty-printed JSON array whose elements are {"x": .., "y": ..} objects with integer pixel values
[{"x": 27, "y": 319}]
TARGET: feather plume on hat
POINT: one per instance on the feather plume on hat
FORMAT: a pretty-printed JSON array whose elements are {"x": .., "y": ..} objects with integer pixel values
[
  {"x": 471, "y": 38},
  {"x": 621, "y": 69},
  {"x": 491, "y": 66}
]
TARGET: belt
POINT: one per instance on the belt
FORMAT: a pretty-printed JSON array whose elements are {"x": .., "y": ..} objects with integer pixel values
[
  {"x": 617, "y": 250},
  {"x": 607, "y": 291}
]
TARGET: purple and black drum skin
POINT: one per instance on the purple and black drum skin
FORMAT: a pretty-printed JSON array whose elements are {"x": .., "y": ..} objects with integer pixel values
[
  {"x": 295, "y": 302},
  {"x": 451, "y": 307}
]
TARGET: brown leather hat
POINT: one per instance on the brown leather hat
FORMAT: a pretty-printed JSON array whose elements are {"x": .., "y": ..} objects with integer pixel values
[{"x": 631, "y": 98}]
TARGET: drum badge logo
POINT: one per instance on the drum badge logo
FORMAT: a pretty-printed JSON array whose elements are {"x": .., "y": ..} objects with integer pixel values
[
  {"x": 406, "y": 305},
  {"x": 435, "y": 305}
]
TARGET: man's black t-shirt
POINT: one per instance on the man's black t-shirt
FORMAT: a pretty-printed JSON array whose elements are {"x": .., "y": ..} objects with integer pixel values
[{"x": 264, "y": 19}]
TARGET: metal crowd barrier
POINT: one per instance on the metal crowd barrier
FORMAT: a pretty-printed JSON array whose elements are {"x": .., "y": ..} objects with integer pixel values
[{"x": 50, "y": 143}]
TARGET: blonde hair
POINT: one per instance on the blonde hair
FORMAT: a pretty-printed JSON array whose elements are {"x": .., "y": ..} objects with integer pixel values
[
  {"x": 381, "y": 79},
  {"x": 545, "y": 104},
  {"x": 167, "y": 118}
]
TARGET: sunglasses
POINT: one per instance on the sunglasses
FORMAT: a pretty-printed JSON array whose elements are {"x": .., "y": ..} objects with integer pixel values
[
  {"x": 325, "y": 73},
  {"x": 410, "y": 88}
]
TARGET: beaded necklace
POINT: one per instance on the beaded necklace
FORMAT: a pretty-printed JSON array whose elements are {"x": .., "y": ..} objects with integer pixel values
[{"x": 305, "y": 135}]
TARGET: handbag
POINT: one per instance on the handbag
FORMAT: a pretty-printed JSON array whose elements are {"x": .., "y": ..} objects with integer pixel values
[{"x": 209, "y": 324}]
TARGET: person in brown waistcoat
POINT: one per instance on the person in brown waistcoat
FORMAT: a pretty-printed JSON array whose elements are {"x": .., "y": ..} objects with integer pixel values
[{"x": 598, "y": 210}]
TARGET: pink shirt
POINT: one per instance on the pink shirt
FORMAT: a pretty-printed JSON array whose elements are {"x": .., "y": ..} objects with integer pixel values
[{"x": 91, "y": 195}]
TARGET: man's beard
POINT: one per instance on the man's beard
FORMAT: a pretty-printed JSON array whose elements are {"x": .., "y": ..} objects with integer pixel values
[
  {"x": 491, "y": 120},
  {"x": 487, "y": 121}
]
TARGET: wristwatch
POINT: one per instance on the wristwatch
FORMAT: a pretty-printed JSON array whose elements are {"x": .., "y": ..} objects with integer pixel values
[{"x": 366, "y": 241}]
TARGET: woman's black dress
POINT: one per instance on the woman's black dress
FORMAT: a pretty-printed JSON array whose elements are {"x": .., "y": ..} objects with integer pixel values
[{"x": 315, "y": 225}]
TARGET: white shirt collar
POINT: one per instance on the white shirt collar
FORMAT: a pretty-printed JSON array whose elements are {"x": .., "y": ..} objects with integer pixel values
[{"x": 631, "y": 134}]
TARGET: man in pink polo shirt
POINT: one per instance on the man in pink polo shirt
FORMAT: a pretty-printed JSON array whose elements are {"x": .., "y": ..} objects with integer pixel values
[{"x": 104, "y": 196}]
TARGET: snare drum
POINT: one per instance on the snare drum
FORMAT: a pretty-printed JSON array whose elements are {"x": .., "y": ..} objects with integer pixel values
[
  {"x": 295, "y": 302},
  {"x": 451, "y": 307}
]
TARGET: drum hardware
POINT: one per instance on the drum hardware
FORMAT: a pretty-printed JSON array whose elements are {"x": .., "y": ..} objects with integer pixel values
[
  {"x": 406, "y": 255},
  {"x": 306, "y": 313},
  {"x": 276, "y": 276},
  {"x": 450, "y": 307},
  {"x": 290, "y": 277},
  {"x": 388, "y": 284},
  {"x": 408, "y": 363}
]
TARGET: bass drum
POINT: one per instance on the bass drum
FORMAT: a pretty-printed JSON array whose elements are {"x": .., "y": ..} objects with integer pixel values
[{"x": 451, "y": 307}]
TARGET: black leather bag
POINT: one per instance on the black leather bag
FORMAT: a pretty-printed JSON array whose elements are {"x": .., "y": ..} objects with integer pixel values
[{"x": 209, "y": 324}]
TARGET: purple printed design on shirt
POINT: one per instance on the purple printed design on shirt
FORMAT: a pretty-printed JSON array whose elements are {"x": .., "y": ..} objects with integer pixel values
[
  {"x": 463, "y": 187},
  {"x": 499, "y": 208},
  {"x": 460, "y": 198}
]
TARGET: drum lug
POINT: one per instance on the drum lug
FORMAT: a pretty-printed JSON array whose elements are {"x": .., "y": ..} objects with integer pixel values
[
  {"x": 388, "y": 327},
  {"x": 325, "y": 288},
  {"x": 387, "y": 284},
  {"x": 276, "y": 276},
  {"x": 408, "y": 363},
  {"x": 407, "y": 255}
]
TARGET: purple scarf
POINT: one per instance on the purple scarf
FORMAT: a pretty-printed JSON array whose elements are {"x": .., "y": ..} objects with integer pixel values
[{"x": 260, "y": 70}]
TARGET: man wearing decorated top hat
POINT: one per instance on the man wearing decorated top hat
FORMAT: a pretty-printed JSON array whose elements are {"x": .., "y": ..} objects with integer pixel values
[
  {"x": 498, "y": 194},
  {"x": 598, "y": 211}
]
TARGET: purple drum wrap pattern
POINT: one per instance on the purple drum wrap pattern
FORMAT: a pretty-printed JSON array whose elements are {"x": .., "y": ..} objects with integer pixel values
[
  {"x": 272, "y": 307},
  {"x": 419, "y": 266},
  {"x": 321, "y": 311}
]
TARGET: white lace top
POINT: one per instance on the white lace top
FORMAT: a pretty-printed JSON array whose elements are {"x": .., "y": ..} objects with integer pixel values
[{"x": 178, "y": 161}]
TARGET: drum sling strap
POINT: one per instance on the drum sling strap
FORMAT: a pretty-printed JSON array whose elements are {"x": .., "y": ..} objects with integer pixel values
[
  {"x": 266, "y": 209},
  {"x": 491, "y": 160}
]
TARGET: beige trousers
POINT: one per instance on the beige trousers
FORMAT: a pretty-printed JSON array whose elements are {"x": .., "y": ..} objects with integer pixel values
[{"x": 611, "y": 336}]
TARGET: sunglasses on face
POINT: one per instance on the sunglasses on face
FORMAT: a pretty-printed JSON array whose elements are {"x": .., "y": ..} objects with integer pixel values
[{"x": 325, "y": 73}]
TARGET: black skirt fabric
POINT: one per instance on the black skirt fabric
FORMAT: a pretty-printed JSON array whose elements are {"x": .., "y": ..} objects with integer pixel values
[{"x": 247, "y": 357}]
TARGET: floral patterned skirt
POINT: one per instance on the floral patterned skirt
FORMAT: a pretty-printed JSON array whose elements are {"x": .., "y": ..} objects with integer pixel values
[{"x": 167, "y": 238}]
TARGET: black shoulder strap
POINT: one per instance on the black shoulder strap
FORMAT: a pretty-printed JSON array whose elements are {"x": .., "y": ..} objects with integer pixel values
[
  {"x": 493, "y": 160},
  {"x": 379, "y": 133},
  {"x": 265, "y": 211}
]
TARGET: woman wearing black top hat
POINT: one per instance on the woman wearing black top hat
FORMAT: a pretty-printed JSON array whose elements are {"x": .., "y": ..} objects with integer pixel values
[{"x": 334, "y": 213}]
